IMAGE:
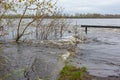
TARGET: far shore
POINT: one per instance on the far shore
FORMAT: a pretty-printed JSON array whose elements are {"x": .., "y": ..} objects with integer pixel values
[{"x": 64, "y": 18}]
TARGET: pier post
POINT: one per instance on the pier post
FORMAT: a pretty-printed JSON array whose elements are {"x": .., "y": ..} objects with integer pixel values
[{"x": 86, "y": 30}]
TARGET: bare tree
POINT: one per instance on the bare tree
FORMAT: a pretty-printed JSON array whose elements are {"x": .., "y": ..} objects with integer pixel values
[{"x": 41, "y": 9}]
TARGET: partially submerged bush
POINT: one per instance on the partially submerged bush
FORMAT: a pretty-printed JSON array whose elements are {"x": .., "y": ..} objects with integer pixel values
[{"x": 51, "y": 29}]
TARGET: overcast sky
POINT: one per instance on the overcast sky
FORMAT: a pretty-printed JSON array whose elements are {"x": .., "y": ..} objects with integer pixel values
[{"x": 90, "y": 6}]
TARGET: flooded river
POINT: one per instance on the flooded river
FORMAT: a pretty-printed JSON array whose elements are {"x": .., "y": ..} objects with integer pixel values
[{"x": 100, "y": 54}]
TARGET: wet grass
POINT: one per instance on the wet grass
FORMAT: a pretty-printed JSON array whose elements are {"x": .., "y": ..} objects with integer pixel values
[{"x": 72, "y": 73}]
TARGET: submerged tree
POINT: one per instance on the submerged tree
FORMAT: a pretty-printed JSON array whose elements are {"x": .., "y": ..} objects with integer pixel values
[{"x": 39, "y": 8}]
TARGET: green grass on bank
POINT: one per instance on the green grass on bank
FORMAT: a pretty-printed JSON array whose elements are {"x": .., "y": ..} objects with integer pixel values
[{"x": 72, "y": 73}]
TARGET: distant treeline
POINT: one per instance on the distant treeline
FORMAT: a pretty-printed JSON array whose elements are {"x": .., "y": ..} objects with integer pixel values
[
  {"x": 17, "y": 16},
  {"x": 95, "y": 15},
  {"x": 68, "y": 16},
  {"x": 30, "y": 16}
]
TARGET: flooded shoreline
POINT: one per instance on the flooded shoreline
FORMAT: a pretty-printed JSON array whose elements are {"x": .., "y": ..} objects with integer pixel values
[
  {"x": 34, "y": 58},
  {"x": 21, "y": 61}
]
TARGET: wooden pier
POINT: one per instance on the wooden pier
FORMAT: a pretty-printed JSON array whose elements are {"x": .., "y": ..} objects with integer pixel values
[{"x": 98, "y": 26}]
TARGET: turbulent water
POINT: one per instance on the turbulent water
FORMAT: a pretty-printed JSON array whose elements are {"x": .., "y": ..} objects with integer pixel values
[
  {"x": 101, "y": 54},
  {"x": 20, "y": 61}
]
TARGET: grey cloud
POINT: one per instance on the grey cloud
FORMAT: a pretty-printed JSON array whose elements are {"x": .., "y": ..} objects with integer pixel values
[{"x": 91, "y": 6}]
